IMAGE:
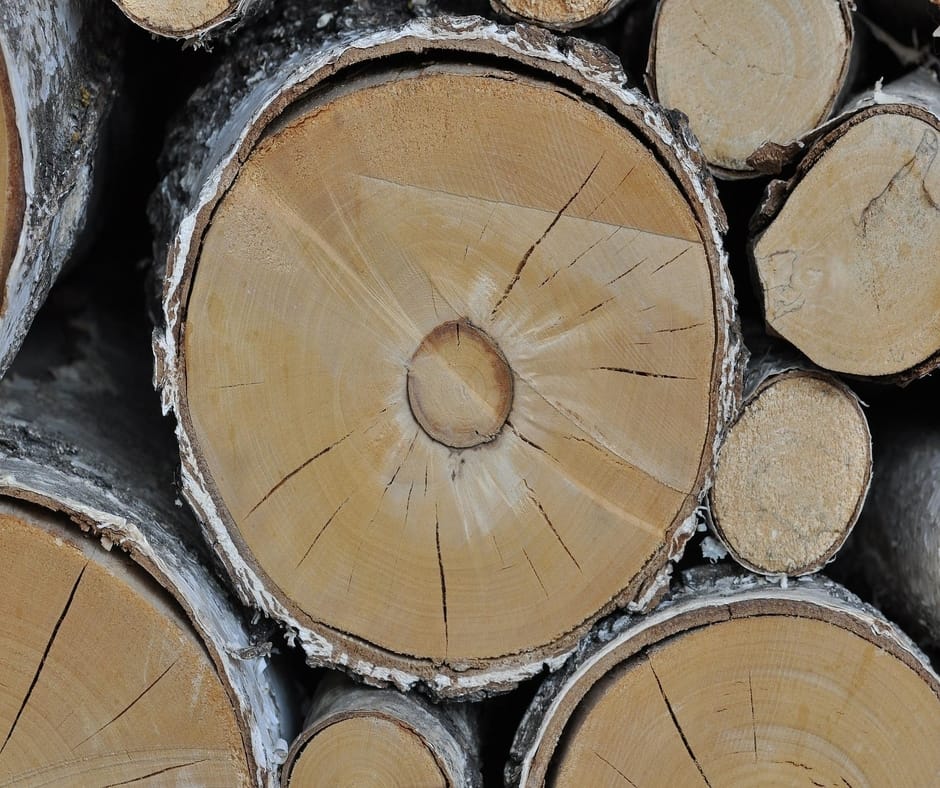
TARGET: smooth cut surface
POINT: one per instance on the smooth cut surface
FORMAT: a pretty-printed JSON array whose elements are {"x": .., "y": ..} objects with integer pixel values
[
  {"x": 765, "y": 700},
  {"x": 101, "y": 680},
  {"x": 174, "y": 17},
  {"x": 792, "y": 475},
  {"x": 848, "y": 268},
  {"x": 340, "y": 247},
  {"x": 11, "y": 178},
  {"x": 367, "y": 752},
  {"x": 749, "y": 72},
  {"x": 558, "y": 14}
]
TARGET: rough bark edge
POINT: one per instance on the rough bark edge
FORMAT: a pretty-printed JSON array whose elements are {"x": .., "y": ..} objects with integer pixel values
[
  {"x": 237, "y": 13},
  {"x": 706, "y": 595},
  {"x": 606, "y": 12},
  {"x": 67, "y": 445},
  {"x": 896, "y": 547},
  {"x": 916, "y": 95},
  {"x": 450, "y": 733},
  {"x": 771, "y": 157},
  {"x": 61, "y": 62},
  {"x": 764, "y": 370},
  {"x": 599, "y": 77}
]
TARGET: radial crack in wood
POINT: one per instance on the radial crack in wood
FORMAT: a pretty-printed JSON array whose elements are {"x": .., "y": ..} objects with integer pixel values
[
  {"x": 845, "y": 252},
  {"x": 750, "y": 74},
  {"x": 737, "y": 681},
  {"x": 460, "y": 398}
]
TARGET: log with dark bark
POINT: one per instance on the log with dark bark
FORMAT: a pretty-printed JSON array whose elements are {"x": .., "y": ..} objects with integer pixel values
[
  {"x": 896, "y": 546},
  {"x": 845, "y": 252},
  {"x": 753, "y": 77},
  {"x": 738, "y": 681},
  {"x": 358, "y": 735},
  {"x": 57, "y": 67},
  {"x": 794, "y": 469},
  {"x": 115, "y": 670},
  {"x": 398, "y": 353}
]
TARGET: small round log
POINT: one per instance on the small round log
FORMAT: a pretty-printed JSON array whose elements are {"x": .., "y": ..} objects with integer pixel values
[
  {"x": 356, "y": 735},
  {"x": 191, "y": 19},
  {"x": 738, "y": 681},
  {"x": 844, "y": 253},
  {"x": 753, "y": 77},
  {"x": 399, "y": 355},
  {"x": 793, "y": 471}
]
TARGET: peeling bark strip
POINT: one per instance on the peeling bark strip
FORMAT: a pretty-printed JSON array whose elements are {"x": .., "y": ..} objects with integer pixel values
[
  {"x": 846, "y": 264},
  {"x": 896, "y": 546},
  {"x": 436, "y": 380},
  {"x": 56, "y": 90},
  {"x": 192, "y": 19},
  {"x": 185, "y": 684},
  {"x": 741, "y": 655},
  {"x": 354, "y": 732},
  {"x": 794, "y": 469},
  {"x": 753, "y": 78}
]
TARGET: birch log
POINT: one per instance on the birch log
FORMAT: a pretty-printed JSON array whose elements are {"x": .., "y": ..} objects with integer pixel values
[
  {"x": 561, "y": 14},
  {"x": 56, "y": 89},
  {"x": 189, "y": 19},
  {"x": 753, "y": 77},
  {"x": 738, "y": 681},
  {"x": 897, "y": 543},
  {"x": 794, "y": 469},
  {"x": 845, "y": 252},
  {"x": 357, "y": 735},
  {"x": 115, "y": 670},
  {"x": 399, "y": 353}
]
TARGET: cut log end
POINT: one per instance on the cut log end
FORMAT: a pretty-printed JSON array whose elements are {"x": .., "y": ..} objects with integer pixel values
[
  {"x": 749, "y": 73},
  {"x": 177, "y": 18},
  {"x": 556, "y": 14},
  {"x": 847, "y": 267},
  {"x": 792, "y": 474},
  {"x": 366, "y": 750},
  {"x": 12, "y": 198},
  {"x": 103, "y": 680}
]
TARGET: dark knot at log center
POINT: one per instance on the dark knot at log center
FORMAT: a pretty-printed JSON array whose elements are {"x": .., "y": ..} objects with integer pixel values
[{"x": 459, "y": 385}]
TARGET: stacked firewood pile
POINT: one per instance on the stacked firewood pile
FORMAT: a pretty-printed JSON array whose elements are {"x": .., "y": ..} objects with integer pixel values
[{"x": 436, "y": 394}]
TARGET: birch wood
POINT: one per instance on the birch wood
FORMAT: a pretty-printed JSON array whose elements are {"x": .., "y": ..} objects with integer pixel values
[
  {"x": 297, "y": 293},
  {"x": 845, "y": 252},
  {"x": 896, "y": 546},
  {"x": 189, "y": 19},
  {"x": 561, "y": 14},
  {"x": 794, "y": 469},
  {"x": 56, "y": 91},
  {"x": 356, "y": 735},
  {"x": 80, "y": 435},
  {"x": 753, "y": 77},
  {"x": 738, "y": 681}
]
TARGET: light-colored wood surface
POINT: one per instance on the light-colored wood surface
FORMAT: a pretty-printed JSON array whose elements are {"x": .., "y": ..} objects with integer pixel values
[
  {"x": 749, "y": 72},
  {"x": 175, "y": 18},
  {"x": 11, "y": 177},
  {"x": 484, "y": 197},
  {"x": 768, "y": 700},
  {"x": 792, "y": 474},
  {"x": 369, "y": 752},
  {"x": 847, "y": 267},
  {"x": 556, "y": 14},
  {"x": 102, "y": 681}
]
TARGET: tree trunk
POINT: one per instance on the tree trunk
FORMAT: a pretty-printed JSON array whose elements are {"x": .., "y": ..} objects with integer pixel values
[
  {"x": 178, "y": 682},
  {"x": 425, "y": 332},
  {"x": 738, "y": 681},
  {"x": 356, "y": 735},
  {"x": 794, "y": 469},
  {"x": 194, "y": 19},
  {"x": 752, "y": 77},
  {"x": 561, "y": 14},
  {"x": 844, "y": 253},
  {"x": 56, "y": 89},
  {"x": 896, "y": 546}
]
